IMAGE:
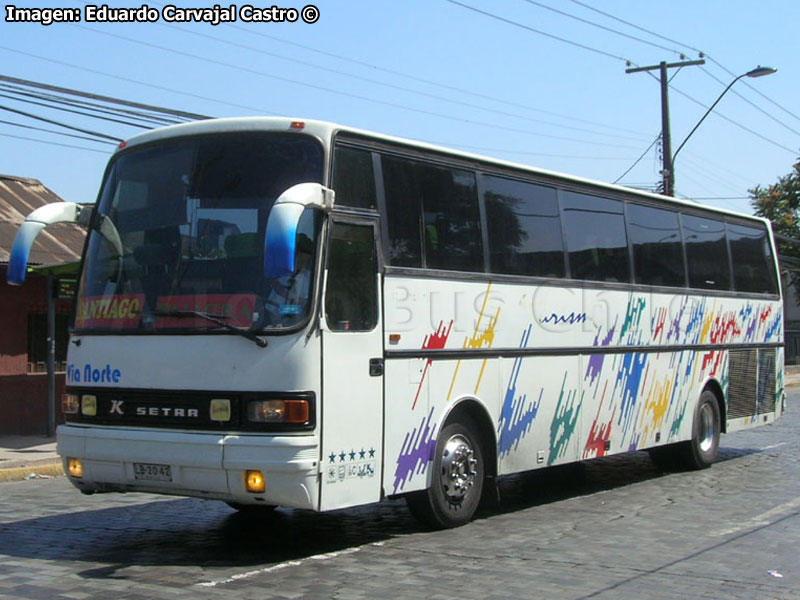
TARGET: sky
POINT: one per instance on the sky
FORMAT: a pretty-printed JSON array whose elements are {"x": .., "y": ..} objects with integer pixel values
[{"x": 541, "y": 83}]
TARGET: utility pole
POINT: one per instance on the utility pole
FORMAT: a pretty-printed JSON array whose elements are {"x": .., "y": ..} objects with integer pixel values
[{"x": 667, "y": 168}]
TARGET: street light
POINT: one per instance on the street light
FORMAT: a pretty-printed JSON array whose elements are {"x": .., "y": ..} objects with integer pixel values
[{"x": 669, "y": 175}]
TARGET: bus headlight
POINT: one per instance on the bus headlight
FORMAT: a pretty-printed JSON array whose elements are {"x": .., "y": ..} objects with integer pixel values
[
  {"x": 220, "y": 409},
  {"x": 89, "y": 405},
  {"x": 278, "y": 411}
]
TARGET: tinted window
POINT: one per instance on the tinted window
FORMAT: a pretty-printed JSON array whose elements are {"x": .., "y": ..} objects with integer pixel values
[
  {"x": 351, "y": 297},
  {"x": 524, "y": 228},
  {"x": 655, "y": 236},
  {"x": 596, "y": 242},
  {"x": 706, "y": 253},
  {"x": 432, "y": 208},
  {"x": 353, "y": 178},
  {"x": 753, "y": 266}
]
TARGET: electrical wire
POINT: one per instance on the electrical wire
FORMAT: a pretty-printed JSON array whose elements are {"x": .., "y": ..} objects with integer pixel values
[
  {"x": 636, "y": 162},
  {"x": 604, "y": 28},
  {"x": 392, "y": 86},
  {"x": 76, "y": 112},
  {"x": 404, "y": 107},
  {"x": 539, "y": 32},
  {"x": 52, "y": 122},
  {"x": 109, "y": 110},
  {"x": 53, "y": 131},
  {"x": 51, "y": 143},
  {"x": 753, "y": 104},
  {"x": 62, "y": 63}
]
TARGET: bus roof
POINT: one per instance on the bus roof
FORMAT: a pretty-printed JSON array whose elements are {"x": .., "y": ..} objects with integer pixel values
[{"x": 326, "y": 131}]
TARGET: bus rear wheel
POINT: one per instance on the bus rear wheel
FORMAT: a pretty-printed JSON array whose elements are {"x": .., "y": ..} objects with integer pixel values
[
  {"x": 701, "y": 451},
  {"x": 456, "y": 482}
]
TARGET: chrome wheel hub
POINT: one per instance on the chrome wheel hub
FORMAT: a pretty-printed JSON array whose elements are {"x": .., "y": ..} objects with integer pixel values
[
  {"x": 705, "y": 435},
  {"x": 458, "y": 468}
]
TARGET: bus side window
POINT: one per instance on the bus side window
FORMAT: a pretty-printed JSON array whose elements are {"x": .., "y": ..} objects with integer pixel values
[
  {"x": 353, "y": 178},
  {"x": 351, "y": 298}
]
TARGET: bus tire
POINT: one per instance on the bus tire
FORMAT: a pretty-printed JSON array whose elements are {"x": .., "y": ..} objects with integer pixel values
[
  {"x": 457, "y": 479},
  {"x": 701, "y": 451}
]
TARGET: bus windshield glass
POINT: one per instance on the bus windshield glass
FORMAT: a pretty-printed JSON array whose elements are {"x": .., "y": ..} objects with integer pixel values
[{"x": 179, "y": 236}]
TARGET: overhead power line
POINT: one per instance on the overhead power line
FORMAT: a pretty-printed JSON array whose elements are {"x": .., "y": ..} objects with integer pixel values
[
  {"x": 538, "y": 31},
  {"x": 53, "y": 88},
  {"x": 404, "y": 107},
  {"x": 604, "y": 28}
]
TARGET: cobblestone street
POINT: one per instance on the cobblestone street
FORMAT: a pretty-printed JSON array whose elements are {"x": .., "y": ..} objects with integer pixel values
[{"x": 612, "y": 528}]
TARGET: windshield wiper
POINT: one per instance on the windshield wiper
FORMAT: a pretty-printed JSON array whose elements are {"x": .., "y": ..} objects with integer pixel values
[{"x": 260, "y": 342}]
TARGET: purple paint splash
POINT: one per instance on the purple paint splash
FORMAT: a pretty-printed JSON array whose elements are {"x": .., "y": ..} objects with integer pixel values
[
  {"x": 595, "y": 365},
  {"x": 418, "y": 448}
]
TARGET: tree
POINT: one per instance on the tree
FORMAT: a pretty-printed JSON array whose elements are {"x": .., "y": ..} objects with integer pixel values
[{"x": 780, "y": 203}]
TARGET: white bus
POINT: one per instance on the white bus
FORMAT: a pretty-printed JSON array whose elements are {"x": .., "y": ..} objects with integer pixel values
[{"x": 293, "y": 313}]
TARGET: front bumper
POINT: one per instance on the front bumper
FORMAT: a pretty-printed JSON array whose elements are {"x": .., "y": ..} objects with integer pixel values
[{"x": 203, "y": 465}]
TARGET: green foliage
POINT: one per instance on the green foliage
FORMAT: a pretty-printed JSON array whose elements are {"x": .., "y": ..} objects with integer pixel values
[{"x": 780, "y": 203}]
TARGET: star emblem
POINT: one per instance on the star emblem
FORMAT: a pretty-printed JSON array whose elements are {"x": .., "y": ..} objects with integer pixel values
[{"x": 363, "y": 454}]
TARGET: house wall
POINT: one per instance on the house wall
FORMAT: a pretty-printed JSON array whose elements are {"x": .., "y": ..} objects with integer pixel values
[{"x": 23, "y": 395}]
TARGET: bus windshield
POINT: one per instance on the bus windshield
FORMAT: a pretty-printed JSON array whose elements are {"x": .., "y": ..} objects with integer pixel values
[{"x": 179, "y": 236}]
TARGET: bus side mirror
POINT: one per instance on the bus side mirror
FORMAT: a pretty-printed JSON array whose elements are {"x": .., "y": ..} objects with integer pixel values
[
  {"x": 279, "y": 241},
  {"x": 56, "y": 212}
]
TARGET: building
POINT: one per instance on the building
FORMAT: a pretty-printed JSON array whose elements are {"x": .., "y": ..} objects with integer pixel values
[{"x": 23, "y": 309}]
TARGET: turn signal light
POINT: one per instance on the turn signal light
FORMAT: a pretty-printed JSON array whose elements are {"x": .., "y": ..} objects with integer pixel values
[
  {"x": 75, "y": 467},
  {"x": 254, "y": 482},
  {"x": 70, "y": 404}
]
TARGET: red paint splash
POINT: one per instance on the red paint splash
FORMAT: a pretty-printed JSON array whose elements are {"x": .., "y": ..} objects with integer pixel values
[
  {"x": 599, "y": 434},
  {"x": 434, "y": 341}
]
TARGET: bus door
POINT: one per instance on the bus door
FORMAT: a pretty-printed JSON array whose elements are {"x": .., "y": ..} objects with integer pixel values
[{"x": 351, "y": 402}]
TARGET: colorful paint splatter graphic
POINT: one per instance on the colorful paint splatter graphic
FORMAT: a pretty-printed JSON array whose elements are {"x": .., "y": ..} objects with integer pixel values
[
  {"x": 516, "y": 416},
  {"x": 564, "y": 422},
  {"x": 418, "y": 448},
  {"x": 435, "y": 341}
]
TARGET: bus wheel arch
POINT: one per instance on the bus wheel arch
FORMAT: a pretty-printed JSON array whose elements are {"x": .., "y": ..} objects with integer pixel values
[{"x": 462, "y": 470}]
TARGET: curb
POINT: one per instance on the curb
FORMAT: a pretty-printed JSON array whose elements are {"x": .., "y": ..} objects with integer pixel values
[{"x": 19, "y": 472}]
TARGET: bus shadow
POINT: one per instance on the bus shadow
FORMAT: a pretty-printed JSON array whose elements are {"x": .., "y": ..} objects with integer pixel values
[
  {"x": 114, "y": 542},
  {"x": 191, "y": 532},
  {"x": 554, "y": 484}
]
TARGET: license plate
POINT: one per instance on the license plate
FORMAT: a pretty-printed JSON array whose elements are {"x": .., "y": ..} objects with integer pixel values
[{"x": 151, "y": 472}]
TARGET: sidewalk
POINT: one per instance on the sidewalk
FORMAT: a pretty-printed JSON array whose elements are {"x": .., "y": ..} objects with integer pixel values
[{"x": 23, "y": 456}]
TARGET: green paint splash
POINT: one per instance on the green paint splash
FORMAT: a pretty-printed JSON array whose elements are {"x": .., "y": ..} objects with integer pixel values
[{"x": 564, "y": 422}]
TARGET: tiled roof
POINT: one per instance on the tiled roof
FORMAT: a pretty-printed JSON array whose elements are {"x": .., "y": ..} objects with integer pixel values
[{"x": 19, "y": 197}]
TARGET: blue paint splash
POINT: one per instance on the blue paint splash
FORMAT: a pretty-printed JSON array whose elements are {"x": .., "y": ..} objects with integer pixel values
[
  {"x": 416, "y": 452},
  {"x": 774, "y": 328},
  {"x": 629, "y": 377},
  {"x": 514, "y": 421},
  {"x": 570, "y": 319}
]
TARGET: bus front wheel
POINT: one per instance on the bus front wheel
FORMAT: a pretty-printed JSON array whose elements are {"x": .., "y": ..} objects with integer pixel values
[{"x": 457, "y": 479}]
